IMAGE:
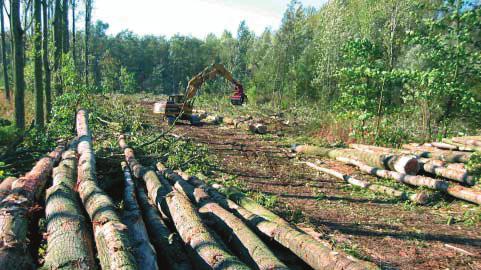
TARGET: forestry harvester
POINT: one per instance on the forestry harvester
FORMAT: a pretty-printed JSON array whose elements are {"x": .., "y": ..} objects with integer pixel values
[{"x": 181, "y": 106}]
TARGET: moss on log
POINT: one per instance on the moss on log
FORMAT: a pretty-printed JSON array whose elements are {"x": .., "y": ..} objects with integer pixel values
[
  {"x": 69, "y": 239},
  {"x": 111, "y": 237},
  {"x": 401, "y": 163},
  {"x": 144, "y": 252},
  {"x": 14, "y": 209},
  {"x": 244, "y": 242},
  {"x": 315, "y": 253},
  {"x": 419, "y": 198}
]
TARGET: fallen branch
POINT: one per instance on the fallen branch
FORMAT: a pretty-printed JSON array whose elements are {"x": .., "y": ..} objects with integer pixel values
[
  {"x": 14, "y": 213},
  {"x": 111, "y": 236},
  {"x": 419, "y": 198}
]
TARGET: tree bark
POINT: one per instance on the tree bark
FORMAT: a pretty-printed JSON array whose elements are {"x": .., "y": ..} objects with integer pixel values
[
  {"x": 400, "y": 163},
  {"x": 186, "y": 220},
  {"x": 432, "y": 152},
  {"x": 454, "y": 190},
  {"x": 65, "y": 27},
  {"x": 143, "y": 251},
  {"x": 70, "y": 243},
  {"x": 439, "y": 168},
  {"x": 315, "y": 253},
  {"x": 6, "y": 79},
  {"x": 444, "y": 146},
  {"x": 58, "y": 43},
  {"x": 88, "y": 14},
  {"x": 245, "y": 243},
  {"x": 419, "y": 198},
  {"x": 14, "y": 213},
  {"x": 39, "y": 112},
  {"x": 74, "y": 33},
  {"x": 18, "y": 63},
  {"x": 474, "y": 140},
  {"x": 6, "y": 187},
  {"x": 46, "y": 64},
  {"x": 466, "y": 145},
  {"x": 111, "y": 236},
  {"x": 168, "y": 246}
]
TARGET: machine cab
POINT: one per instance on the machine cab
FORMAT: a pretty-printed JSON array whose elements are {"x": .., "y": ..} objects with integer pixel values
[{"x": 175, "y": 99}]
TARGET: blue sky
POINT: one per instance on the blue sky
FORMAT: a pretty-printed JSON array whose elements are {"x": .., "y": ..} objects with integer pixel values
[{"x": 191, "y": 17}]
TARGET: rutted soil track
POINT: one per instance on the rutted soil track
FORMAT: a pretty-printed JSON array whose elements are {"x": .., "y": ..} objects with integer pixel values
[{"x": 387, "y": 232}]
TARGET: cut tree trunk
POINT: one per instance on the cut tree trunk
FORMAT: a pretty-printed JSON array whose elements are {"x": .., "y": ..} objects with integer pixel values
[
  {"x": 258, "y": 128},
  {"x": 454, "y": 190},
  {"x": 196, "y": 235},
  {"x": 14, "y": 213},
  {"x": 245, "y": 243},
  {"x": 434, "y": 153},
  {"x": 464, "y": 146},
  {"x": 439, "y": 168},
  {"x": 131, "y": 216},
  {"x": 168, "y": 246},
  {"x": 70, "y": 243},
  {"x": 315, "y": 253},
  {"x": 6, "y": 187},
  {"x": 111, "y": 236},
  {"x": 474, "y": 141},
  {"x": 444, "y": 146},
  {"x": 184, "y": 216},
  {"x": 419, "y": 198},
  {"x": 401, "y": 163}
]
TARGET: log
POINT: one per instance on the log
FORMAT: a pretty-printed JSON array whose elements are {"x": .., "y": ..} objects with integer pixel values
[
  {"x": 371, "y": 148},
  {"x": 245, "y": 243},
  {"x": 258, "y": 128},
  {"x": 401, "y": 163},
  {"x": 213, "y": 120},
  {"x": 167, "y": 244},
  {"x": 474, "y": 141},
  {"x": 444, "y": 146},
  {"x": 14, "y": 213},
  {"x": 194, "y": 233},
  {"x": 111, "y": 236},
  {"x": 315, "y": 253},
  {"x": 439, "y": 169},
  {"x": 143, "y": 251},
  {"x": 452, "y": 189},
  {"x": 185, "y": 218},
  {"x": 434, "y": 153},
  {"x": 6, "y": 187},
  {"x": 69, "y": 239},
  {"x": 418, "y": 198},
  {"x": 464, "y": 146}
]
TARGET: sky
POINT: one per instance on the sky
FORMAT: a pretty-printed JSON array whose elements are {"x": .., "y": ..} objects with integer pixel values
[{"x": 191, "y": 17}]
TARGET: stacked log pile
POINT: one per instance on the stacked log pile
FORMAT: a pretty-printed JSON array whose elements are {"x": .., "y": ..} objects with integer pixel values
[{"x": 439, "y": 166}]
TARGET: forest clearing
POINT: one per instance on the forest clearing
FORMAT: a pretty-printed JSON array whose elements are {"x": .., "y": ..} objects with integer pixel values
[{"x": 325, "y": 135}]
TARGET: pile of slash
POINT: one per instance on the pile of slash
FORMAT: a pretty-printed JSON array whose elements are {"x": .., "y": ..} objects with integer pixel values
[{"x": 168, "y": 220}]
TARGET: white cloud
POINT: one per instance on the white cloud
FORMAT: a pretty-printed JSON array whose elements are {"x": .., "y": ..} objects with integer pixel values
[{"x": 190, "y": 17}]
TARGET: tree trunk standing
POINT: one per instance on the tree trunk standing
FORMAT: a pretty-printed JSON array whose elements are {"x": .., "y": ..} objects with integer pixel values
[
  {"x": 88, "y": 14},
  {"x": 39, "y": 112},
  {"x": 46, "y": 64},
  {"x": 6, "y": 79},
  {"x": 74, "y": 37},
  {"x": 65, "y": 28},
  {"x": 58, "y": 43},
  {"x": 18, "y": 62}
]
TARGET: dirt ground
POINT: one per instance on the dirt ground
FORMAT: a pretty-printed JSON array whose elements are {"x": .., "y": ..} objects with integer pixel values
[{"x": 390, "y": 233}]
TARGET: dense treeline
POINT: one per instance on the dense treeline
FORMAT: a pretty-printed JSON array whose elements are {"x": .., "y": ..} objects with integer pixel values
[{"x": 379, "y": 64}]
